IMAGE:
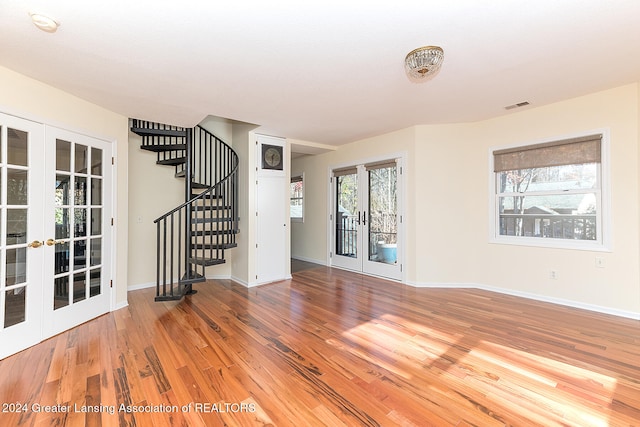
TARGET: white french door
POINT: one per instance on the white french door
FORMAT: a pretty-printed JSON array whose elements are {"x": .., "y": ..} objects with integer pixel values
[
  {"x": 77, "y": 229},
  {"x": 21, "y": 249},
  {"x": 366, "y": 219},
  {"x": 55, "y": 193}
]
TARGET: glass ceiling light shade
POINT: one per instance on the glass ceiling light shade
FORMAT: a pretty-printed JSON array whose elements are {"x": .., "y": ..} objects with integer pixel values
[
  {"x": 423, "y": 62},
  {"x": 44, "y": 22}
]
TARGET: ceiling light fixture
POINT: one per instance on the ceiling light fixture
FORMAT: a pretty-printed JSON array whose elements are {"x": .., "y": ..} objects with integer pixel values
[
  {"x": 44, "y": 22},
  {"x": 423, "y": 62},
  {"x": 518, "y": 105}
]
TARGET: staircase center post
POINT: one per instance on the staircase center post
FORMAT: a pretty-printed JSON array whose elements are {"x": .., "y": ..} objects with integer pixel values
[{"x": 187, "y": 195}]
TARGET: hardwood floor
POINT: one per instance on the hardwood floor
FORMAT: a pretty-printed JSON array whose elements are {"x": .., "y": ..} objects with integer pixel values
[
  {"x": 331, "y": 348},
  {"x": 299, "y": 265}
]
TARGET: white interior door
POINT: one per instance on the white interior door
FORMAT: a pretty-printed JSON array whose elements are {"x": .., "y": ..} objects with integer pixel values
[
  {"x": 55, "y": 233},
  {"x": 366, "y": 219},
  {"x": 77, "y": 229},
  {"x": 272, "y": 214},
  {"x": 21, "y": 248},
  {"x": 271, "y": 255}
]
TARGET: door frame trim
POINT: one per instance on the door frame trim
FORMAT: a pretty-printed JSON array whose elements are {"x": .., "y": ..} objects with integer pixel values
[{"x": 46, "y": 122}]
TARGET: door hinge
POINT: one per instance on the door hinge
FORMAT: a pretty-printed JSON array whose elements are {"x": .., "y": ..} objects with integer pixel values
[
  {"x": 111, "y": 283},
  {"x": 330, "y": 254},
  {"x": 113, "y": 161},
  {"x": 400, "y": 170},
  {"x": 330, "y": 217},
  {"x": 400, "y": 268},
  {"x": 111, "y": 221}
]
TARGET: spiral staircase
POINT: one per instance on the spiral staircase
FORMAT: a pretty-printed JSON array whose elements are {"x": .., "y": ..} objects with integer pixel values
[{"x": 196, "y": 234}]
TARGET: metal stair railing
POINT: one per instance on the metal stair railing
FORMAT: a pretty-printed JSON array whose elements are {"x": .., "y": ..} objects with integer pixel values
[{"x": 195, "y": 234}]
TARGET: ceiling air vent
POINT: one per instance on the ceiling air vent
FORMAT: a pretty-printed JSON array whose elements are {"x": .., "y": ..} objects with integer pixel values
[{"x": 518, "y": 105}]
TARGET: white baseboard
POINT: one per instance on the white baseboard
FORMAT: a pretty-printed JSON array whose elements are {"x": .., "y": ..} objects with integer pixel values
[
  {"x": 140, "y": 286},
  {"x": 441, "y": 285},
  {"x": 241, "y": 282},
  {"x": 152, "y": 284},
  {"x": 536, "y": 297},
  {"x": 219, "y": 277},
  {"x": 121, "y": 304},
  {"x": 314, "y": 261}
]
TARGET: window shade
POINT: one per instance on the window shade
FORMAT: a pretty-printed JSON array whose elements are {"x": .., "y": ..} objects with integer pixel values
[
  {"x": 380, "y": 165},
  {"x": 345, "y": 171},
  {"x": 586, "y": 149}
]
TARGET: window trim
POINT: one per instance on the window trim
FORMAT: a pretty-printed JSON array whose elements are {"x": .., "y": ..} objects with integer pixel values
[
  {"x": 291, "y": 181},
  {"x": 604, "y": 224}
]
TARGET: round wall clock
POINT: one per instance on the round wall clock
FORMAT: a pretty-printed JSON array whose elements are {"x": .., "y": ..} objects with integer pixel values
[{"x": 271, "y": 157}]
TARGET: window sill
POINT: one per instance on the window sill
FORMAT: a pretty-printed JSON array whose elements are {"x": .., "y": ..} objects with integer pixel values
[{"x": 539, "y": 242}]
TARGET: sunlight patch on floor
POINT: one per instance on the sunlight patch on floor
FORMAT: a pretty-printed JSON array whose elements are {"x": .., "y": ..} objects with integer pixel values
[
  {"x": 509, "y": 378},
  {"x": 524, "y": 374}
]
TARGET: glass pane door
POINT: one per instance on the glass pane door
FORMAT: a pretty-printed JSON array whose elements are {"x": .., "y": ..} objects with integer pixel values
[
  {"x": 55, "y": 197},
  {"x": 366, "y": 226},
  {"x": 347, "y": 214},
  {"x": 21, "y": 251},
  {"x": 79, "y": 182},
  {"x": 382, "y": 220}
]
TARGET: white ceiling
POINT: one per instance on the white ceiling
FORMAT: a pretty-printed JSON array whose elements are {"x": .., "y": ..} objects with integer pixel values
[{"x": 325, "y": 71}]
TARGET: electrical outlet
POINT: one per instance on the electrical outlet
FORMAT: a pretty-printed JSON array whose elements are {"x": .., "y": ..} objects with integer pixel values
[
  {"x": 553, "y": 274},
  {"x": 599, "y": 262}
]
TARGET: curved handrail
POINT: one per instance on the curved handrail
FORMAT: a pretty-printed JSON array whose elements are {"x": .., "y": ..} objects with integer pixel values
[{"x": 210, "y": 189}]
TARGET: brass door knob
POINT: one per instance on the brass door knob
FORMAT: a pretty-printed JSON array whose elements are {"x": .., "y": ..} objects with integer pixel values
[
  {"x": 35, "y": 244},
  {"x": 51, "y": 242}
]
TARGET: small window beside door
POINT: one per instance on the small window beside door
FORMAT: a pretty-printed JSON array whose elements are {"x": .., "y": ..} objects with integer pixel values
[{"x": 297, "y": 198}]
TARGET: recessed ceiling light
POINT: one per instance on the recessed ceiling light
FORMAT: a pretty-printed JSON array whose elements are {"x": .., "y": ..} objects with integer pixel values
[{"x": 44, "y": 22}]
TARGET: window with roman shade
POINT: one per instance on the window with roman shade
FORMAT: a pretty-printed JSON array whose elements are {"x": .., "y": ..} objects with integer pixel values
[{"x": 550, "y": 192}]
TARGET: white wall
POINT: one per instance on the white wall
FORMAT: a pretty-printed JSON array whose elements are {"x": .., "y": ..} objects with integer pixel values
[
  {"x": 36, "y": 101},
  {"x": 448, "y": 206}
]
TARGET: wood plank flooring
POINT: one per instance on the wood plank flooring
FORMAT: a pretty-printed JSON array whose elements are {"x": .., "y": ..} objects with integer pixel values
[{"x": 331, "y": 348}]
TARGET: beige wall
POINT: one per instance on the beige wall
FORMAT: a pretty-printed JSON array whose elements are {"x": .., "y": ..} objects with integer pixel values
[
  {"x": 526, "y": 269},
  {"x": 448, "y": 207},
  {"x": 309, "y": 239},
  {"x": 447, "y": 214},
  {"x": 244, "y": 262},
  {"x": 36, "y": 101}
]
